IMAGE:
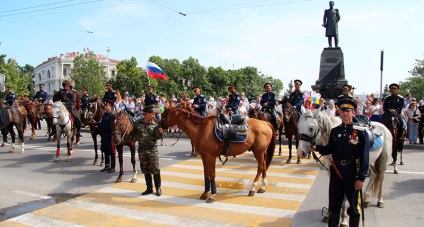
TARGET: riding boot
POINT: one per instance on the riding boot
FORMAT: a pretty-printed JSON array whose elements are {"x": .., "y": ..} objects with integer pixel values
[
  {"x": 107, "y": 164},
  {"x": 333, "y": 220},
  {"x": 112, "y": 165},
  {"x": 354, "y": 221},
  {"x": 148, "y": 178},
  {"x": 157, "y": 179}
]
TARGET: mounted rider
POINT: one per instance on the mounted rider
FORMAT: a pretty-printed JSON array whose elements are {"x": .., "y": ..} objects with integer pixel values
[
  {"x": 68, "y": 97},
  {"x": 233, "y": 99},
  {"x": 85, "y": 100},
  {"x": 346, "y": 93},
  {"x": 151, "y": 98},
  {"x": 296, "y": 98},
  {"x": 268, "y": 101},
  {"x": 199, "y": 102},
  {"x": 41, "y": 96},
  {"x": 10, "y": 97},
  {"x": 394, "y": 102},
  {"x": 110, "y": 95}
]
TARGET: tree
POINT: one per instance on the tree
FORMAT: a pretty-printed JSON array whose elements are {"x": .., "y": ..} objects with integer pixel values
[
  {"x": 195, "y": 75},
  {"x": 289, "y": 89},
  {"x": 88, "y": 73},
  {"x": 15, "y": 76},
  {"x": 414, "y": 84},
  {"x": 130, "y": 78}
]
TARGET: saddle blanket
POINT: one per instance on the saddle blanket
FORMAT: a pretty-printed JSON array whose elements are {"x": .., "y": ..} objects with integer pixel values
[
  {"x": 377, "y": 144},
  {"x": 240, "y": 138}
]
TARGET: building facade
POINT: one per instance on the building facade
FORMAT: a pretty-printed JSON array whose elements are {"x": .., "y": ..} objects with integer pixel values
[{"x": 52, "y": 72}]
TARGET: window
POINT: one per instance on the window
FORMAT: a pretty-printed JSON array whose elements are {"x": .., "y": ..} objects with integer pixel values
[
  {"x": 48, "y": 74},
  {"x": 48, "y": 87},
  {"x": 113, "y": 74},
  {"x": 39, "y": 76},
  {"x": 65, "y": 72}
]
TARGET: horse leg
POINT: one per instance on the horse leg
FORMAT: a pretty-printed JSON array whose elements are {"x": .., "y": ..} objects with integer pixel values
[
  {"x": 297, "y": 144},
  {"x": 133, "y": 162},
  {"x": 259, "y": 171},
  {"x": 371, "y": 182},
  {"x": 33, "y": 125},
  {"x": 212, "y": 166},
  {"x": 96, "y": 156},
  {"x": 120, "y": 149},
  {"x": 56, "y": 160},
  {"x": 21, "y": 138},
  {"x": 193, "y": 151},
  {"x": 69, "y": 146},
  {"x": 204, "y": 195},
  {"x": 13, "y": 135},
  {"x": 280, "y": 133},
  {"x": 290, "y": 149},
  {"x": 264, "y": 181},
  {"x": 400, "y": 149}
]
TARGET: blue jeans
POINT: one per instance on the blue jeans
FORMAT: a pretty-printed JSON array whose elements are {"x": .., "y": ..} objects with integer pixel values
[{"x": 412, "y": 133}]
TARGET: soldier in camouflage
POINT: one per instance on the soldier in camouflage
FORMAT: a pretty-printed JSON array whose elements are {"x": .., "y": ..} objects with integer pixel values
[{"x": 148, "y": 132}]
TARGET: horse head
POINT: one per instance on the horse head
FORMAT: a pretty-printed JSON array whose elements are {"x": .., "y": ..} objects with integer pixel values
[
  {"x": 164, "y": 118},
  {"x": 95, "y": 110},
  {"x": 56, "y": 109},
  {"x": 252, "y": 113},
  {"x": 288, "y": 111}
]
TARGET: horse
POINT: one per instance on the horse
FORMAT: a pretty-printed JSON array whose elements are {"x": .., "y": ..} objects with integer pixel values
[
  {"x": 264, "y": 116},
  {"x": 31, "y": 114},
  {"x": 44, "y": 111},
  {"x": 261, "y": 141},
  {"x": 63, "y": 122},
  {"x": 315, "y": 127},
  {"x": 121, "y": 133},
  {"x": 187, "y": 106},
  {"x": 95, "y": 111},
  {"x": 391, "y": 121},
  {"x": 16, "y": 117},
  {"x": 290, "y": 124}
]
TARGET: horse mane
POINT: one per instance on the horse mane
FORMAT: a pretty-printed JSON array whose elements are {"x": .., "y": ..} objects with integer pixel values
[
  {"x": 327, "y": 124},
  {"x": 195, "y": 118}
]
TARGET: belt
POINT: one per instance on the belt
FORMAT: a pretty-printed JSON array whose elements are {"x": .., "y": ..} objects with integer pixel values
[{"x": 344, "y": 162}]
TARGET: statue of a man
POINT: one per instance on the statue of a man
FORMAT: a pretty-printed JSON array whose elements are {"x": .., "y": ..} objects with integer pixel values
[{"x": 330, "y": 21}]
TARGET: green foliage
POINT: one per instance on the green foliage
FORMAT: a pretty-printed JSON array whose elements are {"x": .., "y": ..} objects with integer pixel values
[
  {"x": 129, "y": 78},
  {"x": 415, "y": 83},
  {"x": 289, "y": 89},
  {"x": 88, "y": 73},
  {"x": 17, "y": 77}
]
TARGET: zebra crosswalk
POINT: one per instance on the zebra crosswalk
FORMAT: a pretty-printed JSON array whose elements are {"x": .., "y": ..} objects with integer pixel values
[{"x": 182, "y": 184}]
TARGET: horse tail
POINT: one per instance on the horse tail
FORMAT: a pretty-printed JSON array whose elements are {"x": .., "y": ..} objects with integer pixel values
[
  {"x": 271, "y": 147},
  {"x": 377, "y": 180}
]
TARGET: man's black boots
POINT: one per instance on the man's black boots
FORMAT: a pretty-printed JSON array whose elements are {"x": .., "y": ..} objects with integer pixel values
[
  {"x": 354, "y": 221},
  {"x": 107, "y": 164},
  {"x": 149, "y": 184},
  {"x": 157, "y": 184},
  {"x": 333, "y": 220}
]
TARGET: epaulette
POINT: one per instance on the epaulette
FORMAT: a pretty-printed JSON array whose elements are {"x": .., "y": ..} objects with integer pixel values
[
  {"x": 400, "y": 96},
  {"x": 360, "y": 128},
  {"x": 300, "y": 91},
  {"x": 202, "y": 95}
]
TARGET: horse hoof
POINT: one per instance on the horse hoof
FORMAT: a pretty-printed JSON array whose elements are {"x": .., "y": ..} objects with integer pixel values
[
  {"x": 252, "y": 193},
  {"x": 396, "y": 171},
  {"x": 380, "y": 204},
  {"x": 69, "y": 160},
  {"x": 401, "y": 163},
  {"x": 260, "y": 190},
  {"x": 298, "y": 161},
  {"x": 393, "y": 163},
  {"x": 94, "y": 163},
  {"x": 134, "y": 180},
  {"x": 31, "y": 138},
  {"x": 10, "y": 151},
  {"x": 47, "y": 135},
  {"x": 325, "y": 219},
  {"x": 288, "y": 161},
  {"x": 343, "y": 225},
  {"x": 366, "y": 204},
  {"x": 210, "y": 200},
  {"x": 279, "y": 153},
  {"x": 119, "y": 180},
  {"x": 4, "y": 144},
  {"x": 22, "y": 151},
  {"x": 203, "y": 196},
  {"x": 56, "y": 161}
]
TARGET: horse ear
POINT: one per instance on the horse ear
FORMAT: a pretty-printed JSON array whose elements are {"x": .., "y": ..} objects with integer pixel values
[{"x": 165, "y": 105}]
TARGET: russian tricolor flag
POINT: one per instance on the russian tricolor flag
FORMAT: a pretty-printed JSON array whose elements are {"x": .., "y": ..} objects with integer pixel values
[{"x": 153, "y": 71}]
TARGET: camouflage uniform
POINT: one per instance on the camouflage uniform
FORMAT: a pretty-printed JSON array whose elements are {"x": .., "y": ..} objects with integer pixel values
[{"x": 148, "y": 134}]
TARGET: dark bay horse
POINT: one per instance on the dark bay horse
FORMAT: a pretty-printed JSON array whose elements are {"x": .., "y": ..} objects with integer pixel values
[
  {"x": 392, "y": 122},
  {"x": 16, "y": 117},
  {"x": 31, "y": 114},
  {"x": 121, "y": 133},
  {"x": 44, "y": 111},
  {"x": 261, "y": 141},
  {"x": 95, "y": 111},
  {"x": 290, "y": 124},
  {"x": 264, "y": 116}
]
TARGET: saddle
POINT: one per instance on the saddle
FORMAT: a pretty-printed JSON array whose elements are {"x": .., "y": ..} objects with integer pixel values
[
  {"x": 133, "y": 117},
  {"x": 362, "y": 123},
  {"x": 5, "y": 119},
  {"x": 232, "y": 129}
]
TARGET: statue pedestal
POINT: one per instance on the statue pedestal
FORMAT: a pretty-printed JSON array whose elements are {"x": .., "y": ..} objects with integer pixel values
[{"x": 331, "y": 74}]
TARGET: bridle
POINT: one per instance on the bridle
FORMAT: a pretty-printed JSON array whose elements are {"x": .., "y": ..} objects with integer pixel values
[
  {"x": 60, "y": 115},
  {"x": 164, "y": 122},
  {"x": 289, "y": 110},
  {"x": 311, "y": 140},
  {"x": 125, "y": 129}
]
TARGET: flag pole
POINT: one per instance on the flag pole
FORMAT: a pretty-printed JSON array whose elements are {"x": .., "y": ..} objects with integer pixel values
[
  {"x": 148, "y": 78},
  {"x": 381, "y": 74}
]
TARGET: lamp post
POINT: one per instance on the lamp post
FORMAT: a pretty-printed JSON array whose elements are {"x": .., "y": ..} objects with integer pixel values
[{"x": 108, "y": 50}]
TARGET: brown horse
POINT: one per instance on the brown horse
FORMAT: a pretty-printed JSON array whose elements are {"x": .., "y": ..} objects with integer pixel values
[
  {"x": 16, "y": 117},
  {"x": 31, "y": 114},
  {"x": 185, "y": 105},
  {"x": 44, "y": 111},
  {"x": 290, "y": 124},
  {"x": 95, "y": 111},
  {"x": 264, "y": 116},
  {"x": 392, "y": 122},
  {"x": 261, "y": 141},
  {"x": 121, "y": 133}
]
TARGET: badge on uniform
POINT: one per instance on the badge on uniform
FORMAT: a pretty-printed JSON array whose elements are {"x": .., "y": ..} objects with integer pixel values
[
  {"x": 200, "y": 100},
  {"x": 353, "y": 139}
]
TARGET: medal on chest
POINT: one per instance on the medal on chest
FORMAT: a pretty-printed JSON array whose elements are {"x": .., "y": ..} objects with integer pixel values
[{"x": 353, "y": 138}]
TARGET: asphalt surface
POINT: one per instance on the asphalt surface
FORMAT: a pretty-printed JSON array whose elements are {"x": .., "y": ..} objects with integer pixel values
[{"x": 31, "y": 181}]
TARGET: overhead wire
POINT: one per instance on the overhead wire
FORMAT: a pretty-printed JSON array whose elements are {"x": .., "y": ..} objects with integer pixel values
[{"x": 31, "y": 7}]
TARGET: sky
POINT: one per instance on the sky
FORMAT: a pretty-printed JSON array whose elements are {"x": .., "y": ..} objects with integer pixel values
[{"x": 281, "y": 38}]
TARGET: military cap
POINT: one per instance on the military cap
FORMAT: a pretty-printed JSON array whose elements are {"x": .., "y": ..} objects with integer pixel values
[
  {"x": 41, "y": 85},
  {"x": 84, "y": 89},
  {"x": 394, "y": 85},
  {"x": 151, "y": 109},
  {"x": 346, "y": 104},
  {"x": 195, "y": 88},
  {"x": 266, "y": 84},
  {"x": 231, "y": 85},
  {"x": 150, "y": 86},
  {"x": 108, "y": 103},
  {"x": 109, "y": 84},
  {"x": 66, "y": 82},
  {"x": 9, "y": 87},
  {"x": 297, "y": 82},
  {"x": 347, "y": 86}
]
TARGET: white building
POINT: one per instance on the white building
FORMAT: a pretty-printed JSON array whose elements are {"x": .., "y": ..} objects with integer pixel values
[{"x": 52, "y": 72}]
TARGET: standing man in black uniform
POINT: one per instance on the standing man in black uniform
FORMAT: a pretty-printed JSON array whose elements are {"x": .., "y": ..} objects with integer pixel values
[
  {"x": 346, "y": 93},
  {"x": 151, "y": 98},
  {"x": 268, "y": 101},
  {"x": 234, "y": 99},
  {"x": 199, "y": 102},
  {"x": 349, "y": 167},
  {"x": 85, "y": 99},
  {"x": 420, "y": 125},
  {"x": 10, "y": 96},
  {"x": 297, "y": 97},
  {"x": 107, "y": 145},
  {"x": 110, "y": 95}
]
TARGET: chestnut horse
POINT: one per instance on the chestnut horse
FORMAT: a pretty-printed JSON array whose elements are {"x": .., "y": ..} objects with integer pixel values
[
  {"x": 264, "y": 116},
  {"x": 391, "y": 121},
  {"x": 31, "y": 114},
  {"x": 16, "y": 118},
  {"x": 121, "y": 133},
  {"x": 261, "y": 141},
  {"x": 290, "y": 124},
  {"x": 95, "y": 112},
  {"x": 44, "y": 111}
]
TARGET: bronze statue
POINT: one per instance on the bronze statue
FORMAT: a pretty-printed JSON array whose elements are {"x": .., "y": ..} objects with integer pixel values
[{"x": 330, "y": 21}]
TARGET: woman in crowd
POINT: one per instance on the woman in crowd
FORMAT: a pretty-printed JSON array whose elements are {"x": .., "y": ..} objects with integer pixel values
[
  {"x": 331, "y": 110},
  {"x": 367, "y": 108},
  {"x": 375, "y": 110},
  {"x": 308, "y": 105},
  {"x": 413, "y": 121}
]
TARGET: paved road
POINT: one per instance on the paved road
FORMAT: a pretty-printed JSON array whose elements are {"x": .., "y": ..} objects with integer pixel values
[{"x": 293, "y": 197}]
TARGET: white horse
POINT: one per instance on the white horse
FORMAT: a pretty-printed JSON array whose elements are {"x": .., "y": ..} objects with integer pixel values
[
  {"x": 62, "y": 120},
  {"x": 316, "y": 127}
]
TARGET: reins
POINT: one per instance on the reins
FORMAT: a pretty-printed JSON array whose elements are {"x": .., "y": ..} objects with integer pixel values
[{"x": 181, "y": 132}]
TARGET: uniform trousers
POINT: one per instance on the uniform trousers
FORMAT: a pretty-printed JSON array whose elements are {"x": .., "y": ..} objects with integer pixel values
[{"x": 149, "y": 160}]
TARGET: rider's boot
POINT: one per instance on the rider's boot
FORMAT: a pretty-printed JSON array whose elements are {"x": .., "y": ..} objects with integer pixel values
[
  {"x": 354, "y": 221},
  {"x": 333, "y": 220},
  {"x": 112, "y": 164},
  {"x": 107, "y": 164},
  {"x": 148, "y": 178},
  {"x": 157, "y": 179}
]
